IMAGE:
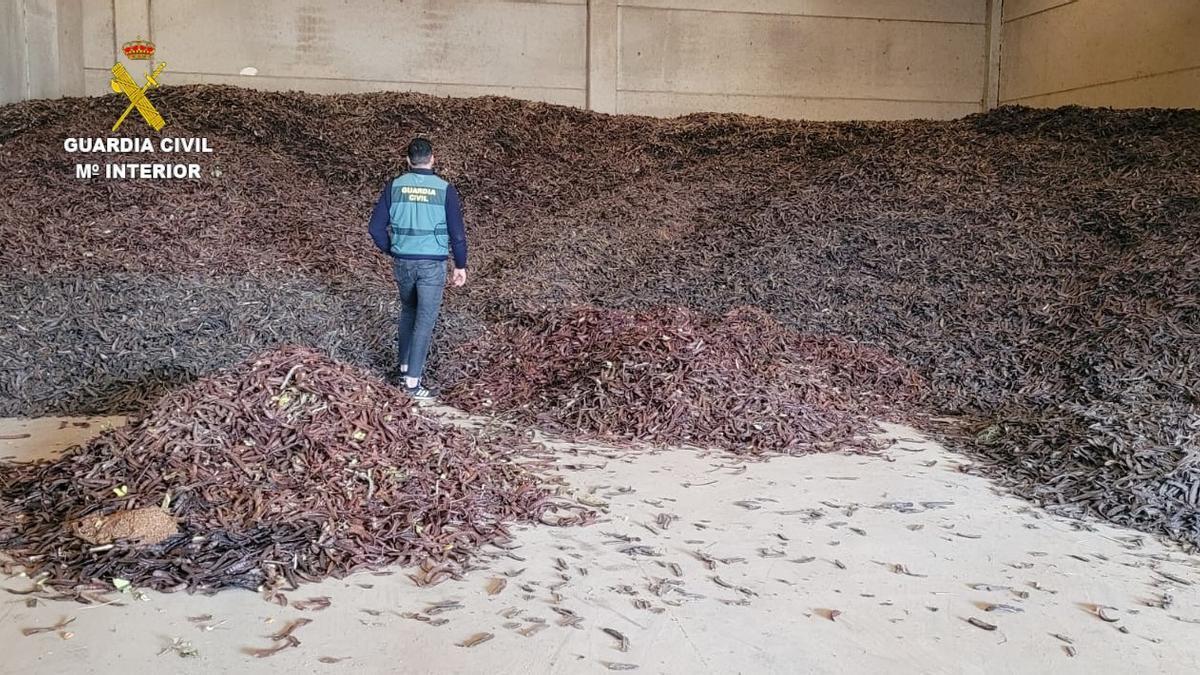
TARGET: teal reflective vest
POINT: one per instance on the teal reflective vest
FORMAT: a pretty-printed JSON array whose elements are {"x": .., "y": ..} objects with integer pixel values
[{"x": 417, "y": 224}]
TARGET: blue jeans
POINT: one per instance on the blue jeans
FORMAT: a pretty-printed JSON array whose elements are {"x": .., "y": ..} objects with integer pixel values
[{"x": 421, "y": 283}]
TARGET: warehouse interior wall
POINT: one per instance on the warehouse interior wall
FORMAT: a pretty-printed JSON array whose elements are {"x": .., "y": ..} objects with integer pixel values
[
  {"x": 42, "y": 53},
  {"x": 821, "y": 59},
  {"x": 812, "y": 59},
  {"x": 1118, "y": 53},
  {"x": 816, "y": 59},
  {"x": 531, "y": 50},
  {"x": 828, "y": 59}
]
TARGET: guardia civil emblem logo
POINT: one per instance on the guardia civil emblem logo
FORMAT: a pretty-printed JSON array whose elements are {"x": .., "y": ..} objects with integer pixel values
[{"x": 123, "y": 82}]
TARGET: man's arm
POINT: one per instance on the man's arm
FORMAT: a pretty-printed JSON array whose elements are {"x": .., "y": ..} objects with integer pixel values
[
  {"x": 379, "y": 220},
  {"x": 458, "y": 231}
]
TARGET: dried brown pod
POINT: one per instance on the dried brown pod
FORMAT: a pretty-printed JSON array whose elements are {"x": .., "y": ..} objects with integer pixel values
[
  {"x": 476, "y": 639},
  {"x": 280, "y": 645},
  {"x": 495, "y": 585},
  {"x": 291, "y": 627},
  {"x": 622, "y": 641},
  {"x": 48, "y": 629},
  {"x": 314, "y": 604}
]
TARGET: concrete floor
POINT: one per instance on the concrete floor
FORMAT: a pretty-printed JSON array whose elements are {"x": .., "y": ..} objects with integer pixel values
[{"x": 832, "y": 564}]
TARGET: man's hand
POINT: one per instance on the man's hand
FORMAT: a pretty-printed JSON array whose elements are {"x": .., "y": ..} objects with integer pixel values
[{"x": 458, "y": 277}]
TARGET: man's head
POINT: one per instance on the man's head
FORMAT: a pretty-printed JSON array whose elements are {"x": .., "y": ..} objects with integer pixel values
[{"x": 420, "y": 154}]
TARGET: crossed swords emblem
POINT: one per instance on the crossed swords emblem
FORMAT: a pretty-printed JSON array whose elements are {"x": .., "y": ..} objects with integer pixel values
[{"x": 123, "y": 82}]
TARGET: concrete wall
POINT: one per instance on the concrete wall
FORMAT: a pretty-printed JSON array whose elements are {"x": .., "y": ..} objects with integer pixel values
[
  {"x": 822, "y": 59},
  {"x": 533, "y": 50},
  {"x": 1119, "y": 53},
  {"x": 42, "y": 55},
  {"x": 818, "y": 59}
]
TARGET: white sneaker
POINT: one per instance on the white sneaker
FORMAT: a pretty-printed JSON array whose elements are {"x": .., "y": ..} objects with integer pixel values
[{"x": 421, "y": 393}]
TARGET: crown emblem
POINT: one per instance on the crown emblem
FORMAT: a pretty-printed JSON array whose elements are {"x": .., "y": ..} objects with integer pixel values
[{"x": 138, "y": 50}]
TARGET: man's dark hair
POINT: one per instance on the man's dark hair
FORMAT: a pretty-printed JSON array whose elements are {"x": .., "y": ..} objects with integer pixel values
[{"x": 420, "y": 151}]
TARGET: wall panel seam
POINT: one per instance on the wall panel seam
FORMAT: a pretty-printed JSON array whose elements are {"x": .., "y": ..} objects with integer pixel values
[
  {"x": 1040, "y": 11},
  {"x": 113, "y": 7},
  {"x": 587, "y": 55},
  {"x": 356, "y": 79},
  {"x": 792, "y": 96},
  {"x": 994, "y": 55},
  {"x": 1093, "y": 85},
  {"x": 809, "y": 16},
  {"x": 547, "y": 2},
  {"x": 620, "y": 43},
  {"x": 26, "y": 87}
]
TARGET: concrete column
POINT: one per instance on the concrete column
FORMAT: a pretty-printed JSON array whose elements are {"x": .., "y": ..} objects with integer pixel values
[
  {"x": 602, "y": 39},
  {"x": 991, "y": 78},
  {"x": 41, "y": 33},
  {"x": 14, "y": 59},
  {"x": 54, "y": 30},
  {"x": 44, "y": 53},
  {"x": 70, "y": 48}
]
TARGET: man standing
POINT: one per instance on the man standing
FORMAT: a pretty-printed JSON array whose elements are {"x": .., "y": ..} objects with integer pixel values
[{"x": 418, "y": 222}]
